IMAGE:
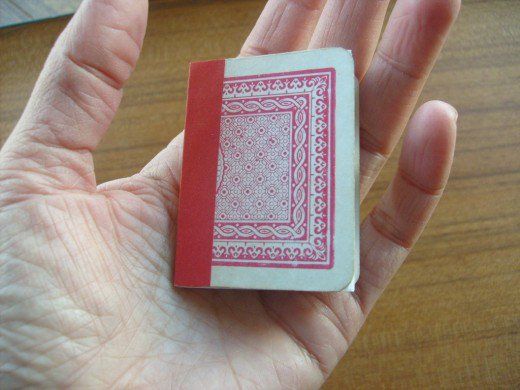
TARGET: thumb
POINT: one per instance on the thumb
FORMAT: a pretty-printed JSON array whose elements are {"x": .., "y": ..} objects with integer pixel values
[{"x": 75, "y": 97}]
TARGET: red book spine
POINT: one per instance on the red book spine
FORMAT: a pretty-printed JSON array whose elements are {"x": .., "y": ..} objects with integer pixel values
[{"x": 199, "y": 174}]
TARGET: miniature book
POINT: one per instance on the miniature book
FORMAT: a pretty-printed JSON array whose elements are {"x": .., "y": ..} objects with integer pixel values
[{"x": 269, "y": 186}]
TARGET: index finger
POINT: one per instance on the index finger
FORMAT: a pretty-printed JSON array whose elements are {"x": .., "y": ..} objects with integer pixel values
[{"x": 284, "y": 25}]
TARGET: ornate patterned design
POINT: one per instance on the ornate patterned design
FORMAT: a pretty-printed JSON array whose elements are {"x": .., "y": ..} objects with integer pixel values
[
  {"x": 275, "y": 178},
  {"x": 256, "y": 164}
]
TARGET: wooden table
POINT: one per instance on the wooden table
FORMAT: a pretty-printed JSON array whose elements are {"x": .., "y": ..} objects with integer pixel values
[{"x": 451, "y": 316}]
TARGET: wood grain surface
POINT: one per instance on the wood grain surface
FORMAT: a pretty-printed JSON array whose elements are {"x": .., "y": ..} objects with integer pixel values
[{"x": 450, "y": 318}]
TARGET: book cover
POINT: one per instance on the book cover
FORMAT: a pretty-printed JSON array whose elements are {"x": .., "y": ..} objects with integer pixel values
[{"x": 269, "y": 186}]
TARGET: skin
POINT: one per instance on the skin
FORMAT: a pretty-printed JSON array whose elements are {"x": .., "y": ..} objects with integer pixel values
[{"x": 86, "y": 298}]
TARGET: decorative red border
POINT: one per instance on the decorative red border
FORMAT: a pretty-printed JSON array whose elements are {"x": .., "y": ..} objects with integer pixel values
[{"x": 331, "y": 155}]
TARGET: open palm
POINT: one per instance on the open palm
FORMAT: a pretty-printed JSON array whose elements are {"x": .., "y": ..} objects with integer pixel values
[{"x": 86, "y": 297}]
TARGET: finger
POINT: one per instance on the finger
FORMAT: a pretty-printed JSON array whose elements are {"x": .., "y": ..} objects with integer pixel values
[
  {"x": 408, "y": 49},
  {"x": 284, "y": 25},
  {"x": 394, "y": 225},
  {"x": 353, "y": 25},
  {"x": 77, "y": 94}
]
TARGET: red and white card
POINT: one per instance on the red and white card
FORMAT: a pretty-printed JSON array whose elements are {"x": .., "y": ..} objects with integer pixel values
[{"x": 269, "y": 187}]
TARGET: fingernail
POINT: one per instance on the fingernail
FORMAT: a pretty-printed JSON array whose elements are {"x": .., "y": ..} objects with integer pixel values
[{"x": 454, "y": 114}]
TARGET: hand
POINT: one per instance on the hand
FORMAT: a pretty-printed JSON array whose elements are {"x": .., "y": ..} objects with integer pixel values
[{"x": 85, "y": 289}]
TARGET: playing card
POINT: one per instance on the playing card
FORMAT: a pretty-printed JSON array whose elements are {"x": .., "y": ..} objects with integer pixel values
[{"x": 269, "y": 187}]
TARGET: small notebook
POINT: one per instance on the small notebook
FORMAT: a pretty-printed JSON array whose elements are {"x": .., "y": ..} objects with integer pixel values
[{"x": 269, "y": 187}]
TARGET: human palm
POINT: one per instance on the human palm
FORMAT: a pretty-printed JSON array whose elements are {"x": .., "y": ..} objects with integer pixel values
[{"x": 85, "y": 290}]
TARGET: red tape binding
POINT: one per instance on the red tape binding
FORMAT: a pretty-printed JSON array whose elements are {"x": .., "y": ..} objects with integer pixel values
[{"x": 199, "y": 175}]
